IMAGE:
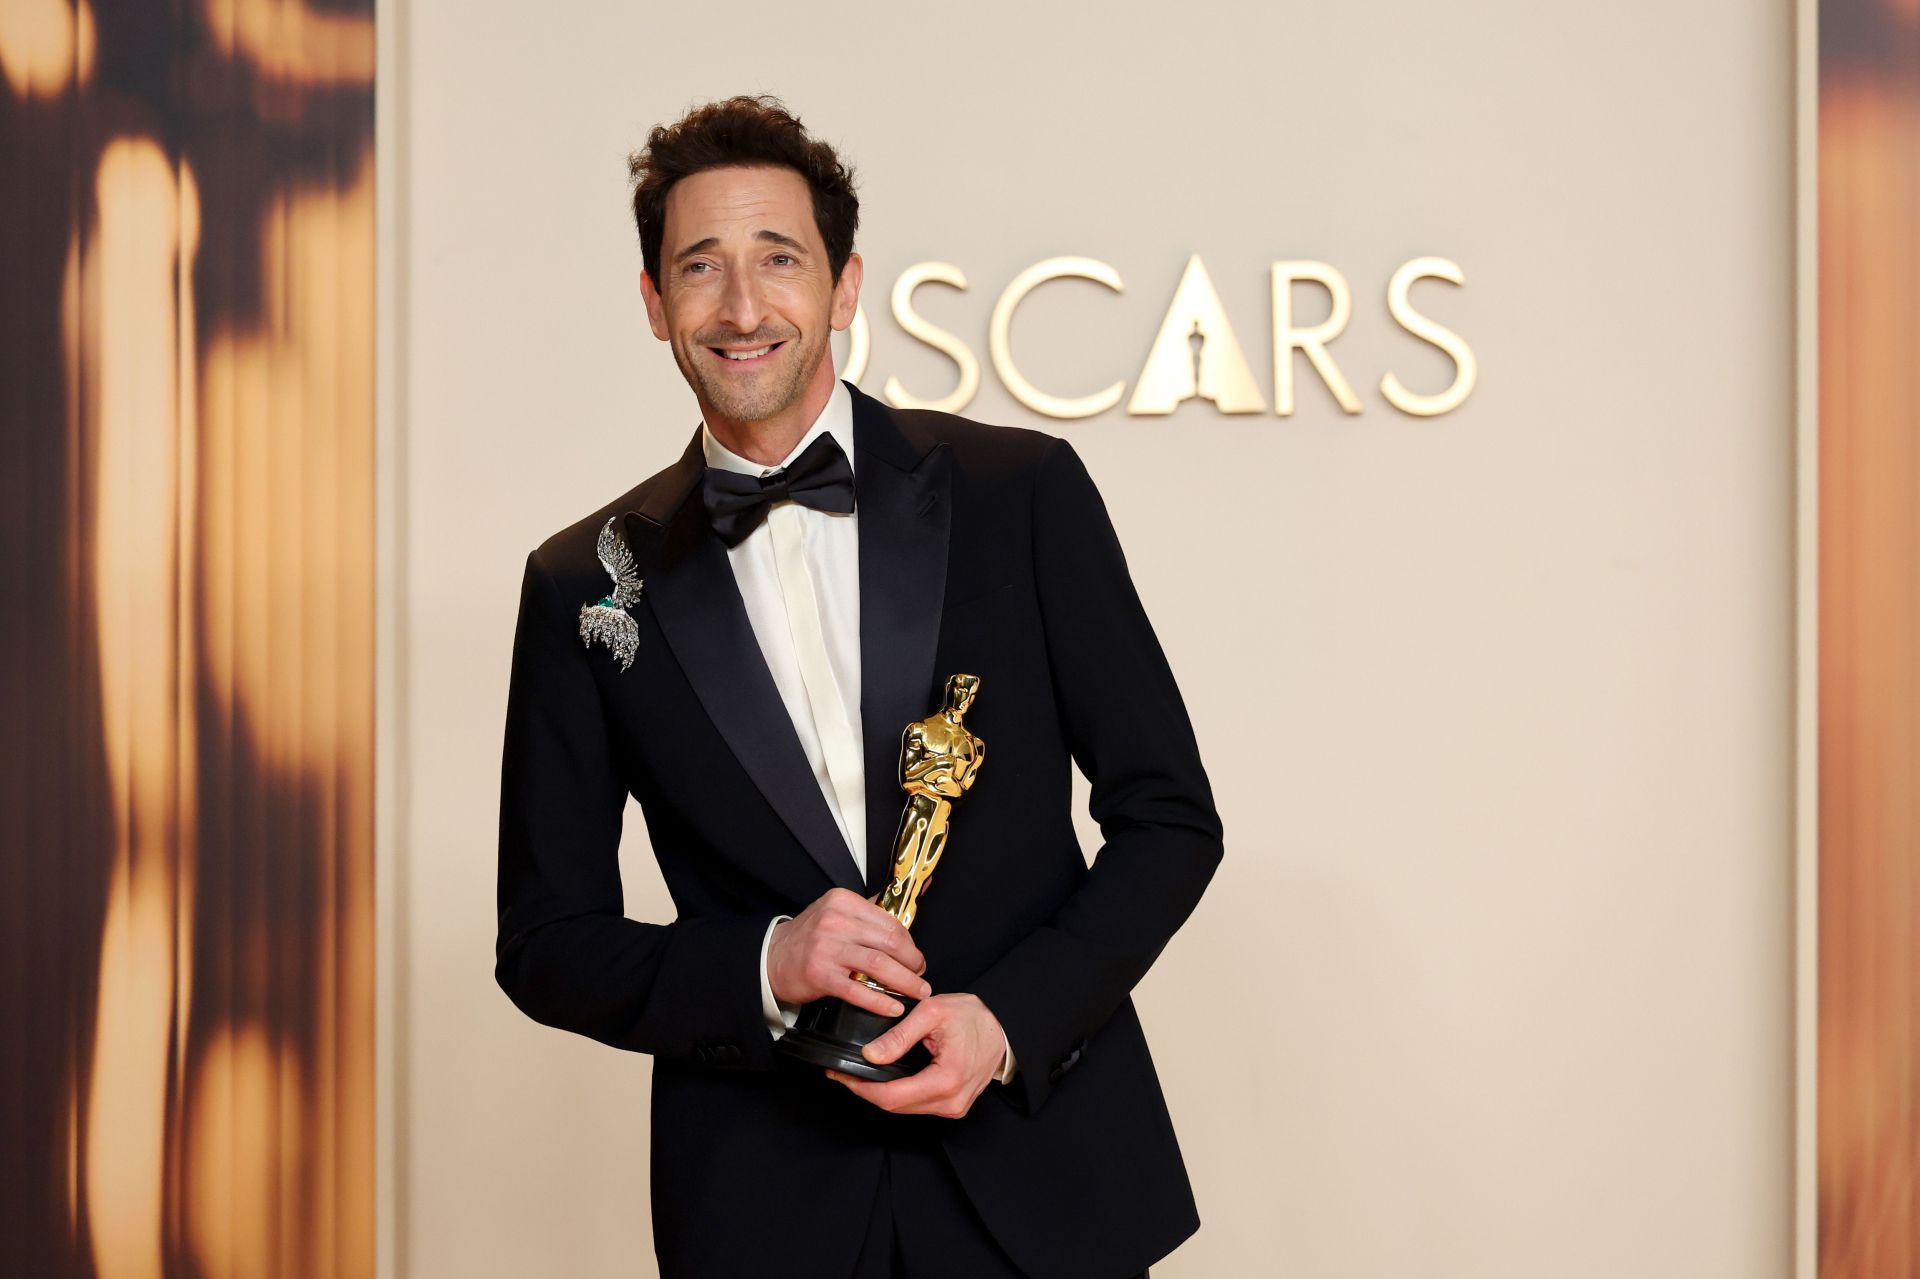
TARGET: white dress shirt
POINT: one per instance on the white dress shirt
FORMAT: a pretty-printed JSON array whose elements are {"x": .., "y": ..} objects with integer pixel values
[{"x": 822, "y": 548}]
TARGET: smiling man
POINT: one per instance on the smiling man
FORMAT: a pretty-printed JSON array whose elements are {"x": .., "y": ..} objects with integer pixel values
[{"x": 786, "y": 598}]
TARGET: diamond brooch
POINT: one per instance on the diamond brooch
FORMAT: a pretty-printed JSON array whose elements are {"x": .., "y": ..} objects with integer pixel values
[{"x": 606, "y": 619}]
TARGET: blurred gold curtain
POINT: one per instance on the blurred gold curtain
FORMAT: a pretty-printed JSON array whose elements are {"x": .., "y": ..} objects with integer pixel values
[
  {"x": 186, "y": 789},
  {"x": 1869, "y": 318}
]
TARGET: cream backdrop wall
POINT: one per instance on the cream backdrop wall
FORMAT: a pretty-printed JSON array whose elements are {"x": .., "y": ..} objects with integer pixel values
[{"x": 1495, "y": 979}]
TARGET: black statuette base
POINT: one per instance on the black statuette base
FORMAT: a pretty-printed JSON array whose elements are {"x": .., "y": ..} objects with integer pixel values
[{"x": 831, "y": 1032}]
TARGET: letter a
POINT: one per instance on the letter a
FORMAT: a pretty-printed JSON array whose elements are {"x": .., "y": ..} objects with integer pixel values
[{"x": 1175, "y": 371}]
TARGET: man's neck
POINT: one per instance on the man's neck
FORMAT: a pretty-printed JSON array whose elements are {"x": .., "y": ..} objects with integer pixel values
[{"x": 769, "y": 440}]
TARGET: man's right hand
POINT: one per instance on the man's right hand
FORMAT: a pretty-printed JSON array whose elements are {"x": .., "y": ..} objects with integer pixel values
[{"x": 816, "y": 953}]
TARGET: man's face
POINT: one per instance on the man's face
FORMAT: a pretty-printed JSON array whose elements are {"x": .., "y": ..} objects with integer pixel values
[{"x": 744, "y": 272}]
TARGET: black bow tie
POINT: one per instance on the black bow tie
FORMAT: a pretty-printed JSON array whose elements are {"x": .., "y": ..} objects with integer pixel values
[{"x": 821, "y": 477}]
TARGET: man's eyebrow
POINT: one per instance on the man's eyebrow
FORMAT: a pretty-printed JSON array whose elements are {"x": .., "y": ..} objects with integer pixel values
[
  {"x": 769, "y": 235},
  {"x": 698, "y": 246}
]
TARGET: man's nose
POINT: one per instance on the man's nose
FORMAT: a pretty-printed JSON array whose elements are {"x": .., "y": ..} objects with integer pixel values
[{"x": 740, "y": 303}]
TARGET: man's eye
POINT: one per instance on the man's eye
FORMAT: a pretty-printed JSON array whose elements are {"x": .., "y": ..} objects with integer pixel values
[
  {"x": 694, "y": 266},
  {"x": 783, "y": 258}
]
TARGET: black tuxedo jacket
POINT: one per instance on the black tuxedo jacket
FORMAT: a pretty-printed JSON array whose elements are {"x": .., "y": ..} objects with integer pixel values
[{"x": 983, "y": 549}]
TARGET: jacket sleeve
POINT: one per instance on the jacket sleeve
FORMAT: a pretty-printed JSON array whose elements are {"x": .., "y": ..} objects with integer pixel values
[
  {"x": 565, "y": 954},
  {"x": 1128, "y": 729}
]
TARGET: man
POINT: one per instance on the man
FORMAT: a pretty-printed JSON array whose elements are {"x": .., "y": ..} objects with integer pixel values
[{"x": 802, "y": 583}]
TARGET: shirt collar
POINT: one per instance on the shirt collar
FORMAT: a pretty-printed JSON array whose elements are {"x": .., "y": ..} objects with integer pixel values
[{"x": 836, "y": 417}]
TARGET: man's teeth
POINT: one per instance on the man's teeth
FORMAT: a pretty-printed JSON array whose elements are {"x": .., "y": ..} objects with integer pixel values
[{"x": 748, "y": 355}]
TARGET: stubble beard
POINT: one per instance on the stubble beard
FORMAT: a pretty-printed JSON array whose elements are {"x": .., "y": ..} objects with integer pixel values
[{"x": 753, "y": 398}]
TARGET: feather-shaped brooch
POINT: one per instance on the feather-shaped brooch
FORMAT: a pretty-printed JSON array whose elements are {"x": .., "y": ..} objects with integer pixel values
[{"x": 607, "y": 619}]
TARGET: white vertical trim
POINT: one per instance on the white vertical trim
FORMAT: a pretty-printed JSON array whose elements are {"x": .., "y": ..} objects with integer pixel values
[
  {"x": 1806, "y": 692},
  {"x": 390, "y": 120}
]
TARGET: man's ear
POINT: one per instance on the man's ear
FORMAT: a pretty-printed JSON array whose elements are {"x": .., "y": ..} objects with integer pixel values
[
  {"x": 846, "y": 293},
  {"x": 656, "y": 309}
]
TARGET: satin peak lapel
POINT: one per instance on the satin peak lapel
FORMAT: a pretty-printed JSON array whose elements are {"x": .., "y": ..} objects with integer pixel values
[
  {"x": 903, "y": 485},
  {"x": 694, "y": 597}
]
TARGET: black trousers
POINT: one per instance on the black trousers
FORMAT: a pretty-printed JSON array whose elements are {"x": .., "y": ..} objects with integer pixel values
[{"x": 923, "y": 1227}]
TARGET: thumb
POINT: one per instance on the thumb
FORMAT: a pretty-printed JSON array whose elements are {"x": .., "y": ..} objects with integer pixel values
[{"x": 919, "y": 1022}]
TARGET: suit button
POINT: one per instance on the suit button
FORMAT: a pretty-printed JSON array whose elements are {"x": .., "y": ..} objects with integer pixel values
[
  {"x": 726, "y": 1054},
  {"x": 1066, "y": 1063}
]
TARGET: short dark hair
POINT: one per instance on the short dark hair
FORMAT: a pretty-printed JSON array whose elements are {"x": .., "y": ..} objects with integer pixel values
[{"x": 741, "y": 131}]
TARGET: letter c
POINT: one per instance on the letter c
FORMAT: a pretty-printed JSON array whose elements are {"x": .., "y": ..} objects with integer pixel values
[{"x": 1000, "y": 347}]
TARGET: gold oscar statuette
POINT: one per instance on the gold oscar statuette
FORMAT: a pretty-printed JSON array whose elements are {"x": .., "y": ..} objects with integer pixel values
[{"x": 939, "y": 762}]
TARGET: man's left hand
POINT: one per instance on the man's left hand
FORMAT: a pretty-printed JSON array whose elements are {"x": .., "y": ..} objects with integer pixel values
[{"x": 967, "y": 1045}]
